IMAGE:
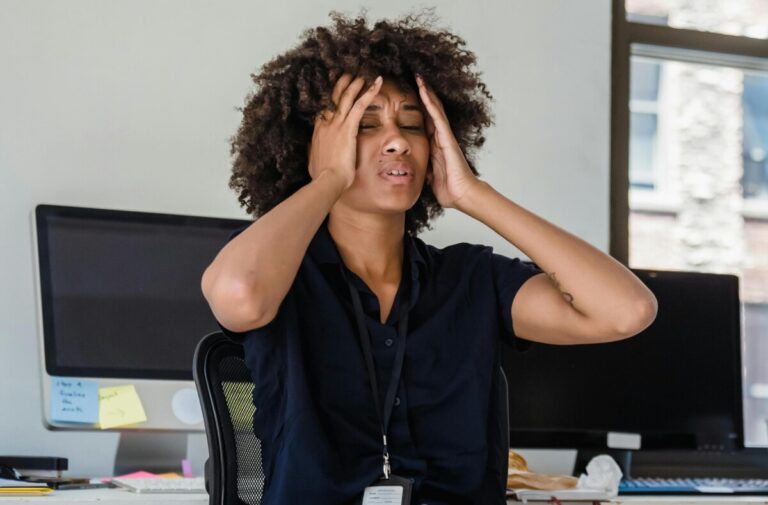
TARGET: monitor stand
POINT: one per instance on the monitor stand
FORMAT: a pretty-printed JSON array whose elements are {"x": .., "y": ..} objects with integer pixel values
[
  {"x": 622, "y": 457},
  {"x": 153, "y": 452}
]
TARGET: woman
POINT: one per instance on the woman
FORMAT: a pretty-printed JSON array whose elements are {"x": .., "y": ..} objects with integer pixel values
[{"x": 374, "y": 354}]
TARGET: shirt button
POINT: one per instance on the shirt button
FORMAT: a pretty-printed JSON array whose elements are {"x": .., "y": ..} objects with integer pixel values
[
  {"x": 397, "y": 401},
  {"x": 388, "y": 342}
]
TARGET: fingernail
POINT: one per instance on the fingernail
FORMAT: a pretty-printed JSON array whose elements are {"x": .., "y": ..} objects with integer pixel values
[{"x": 378, "y": 80}]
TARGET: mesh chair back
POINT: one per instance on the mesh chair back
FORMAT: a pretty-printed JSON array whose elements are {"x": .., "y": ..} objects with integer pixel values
[
  {"x": 234, "y": 473},
  {"x": 503, "y": 413}
]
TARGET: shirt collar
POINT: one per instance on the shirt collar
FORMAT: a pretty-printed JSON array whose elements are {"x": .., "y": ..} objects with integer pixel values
[{"x": 323, "y": 250}]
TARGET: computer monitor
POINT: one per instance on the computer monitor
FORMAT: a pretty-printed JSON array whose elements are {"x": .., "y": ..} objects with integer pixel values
[
  {"x": 676, "y": 385},
  {"x": 120, "y": 304}
]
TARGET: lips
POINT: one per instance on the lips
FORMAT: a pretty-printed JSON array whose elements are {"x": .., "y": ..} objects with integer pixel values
[{"x": 396, "y": 167}]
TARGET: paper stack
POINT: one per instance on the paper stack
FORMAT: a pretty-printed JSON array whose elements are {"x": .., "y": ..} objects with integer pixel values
[{"x": 20, "y": 487}]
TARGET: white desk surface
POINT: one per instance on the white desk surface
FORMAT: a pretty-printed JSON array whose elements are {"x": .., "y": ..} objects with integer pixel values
[
  {"x": 110, "y": 497},
  {"x": 692, "y": 499},
  {"x": 123, "y": 497}
]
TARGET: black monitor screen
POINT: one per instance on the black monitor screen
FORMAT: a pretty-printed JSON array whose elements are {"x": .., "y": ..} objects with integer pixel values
[
  {"x": 120, "y": 291},
  {"x": 677, "y": 383}
]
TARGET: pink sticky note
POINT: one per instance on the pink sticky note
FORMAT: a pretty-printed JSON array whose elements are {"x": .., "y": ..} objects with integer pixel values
[
  {"x": 141, "y": 474},
  {"x": 135, "y": 475}
]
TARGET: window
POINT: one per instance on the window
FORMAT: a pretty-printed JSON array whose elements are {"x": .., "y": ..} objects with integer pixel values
[
  {"x": 748, "y": 18},
  {"x": 690, "y": 156},
  {"x": 643, "y": 106},
  {"x": 755, "y": 104}
]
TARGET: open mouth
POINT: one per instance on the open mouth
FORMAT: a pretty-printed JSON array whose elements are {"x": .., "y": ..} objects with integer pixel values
[
  {"x": 397, "y": 179},
  {"x": 397, "y": 172}
]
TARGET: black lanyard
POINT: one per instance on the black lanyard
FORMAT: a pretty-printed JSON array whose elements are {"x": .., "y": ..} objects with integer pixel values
[{"x": 365, "y": 342}]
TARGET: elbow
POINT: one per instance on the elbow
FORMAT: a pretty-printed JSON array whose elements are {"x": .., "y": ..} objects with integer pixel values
[
  {"x": 234, "y": 305},
  {"x": 639, "y": 317},
  {"x": 206, "y": 284}
]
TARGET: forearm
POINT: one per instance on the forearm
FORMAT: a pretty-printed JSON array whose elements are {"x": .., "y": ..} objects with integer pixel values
[
  {"x": 596, "y": 285},
  {"x": 249, "y": 278}
]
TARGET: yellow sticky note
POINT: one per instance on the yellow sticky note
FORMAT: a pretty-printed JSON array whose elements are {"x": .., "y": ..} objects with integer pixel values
[{"x": 119, "y": 406}]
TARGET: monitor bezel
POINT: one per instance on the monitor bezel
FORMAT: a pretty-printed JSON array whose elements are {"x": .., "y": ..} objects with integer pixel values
[
  {"x": 654, "y": 440},
  {"x": 42, "y": 213}
]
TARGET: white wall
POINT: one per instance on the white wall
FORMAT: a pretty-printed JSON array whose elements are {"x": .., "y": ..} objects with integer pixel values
[{"x": 129, "y": 105}]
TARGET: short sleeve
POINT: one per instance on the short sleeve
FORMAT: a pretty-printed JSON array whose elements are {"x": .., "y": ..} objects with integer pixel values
[{"x": 509, "y": 275}]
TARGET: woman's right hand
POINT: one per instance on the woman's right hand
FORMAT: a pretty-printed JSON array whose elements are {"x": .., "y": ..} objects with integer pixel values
[{"x": 334, "y": 140}]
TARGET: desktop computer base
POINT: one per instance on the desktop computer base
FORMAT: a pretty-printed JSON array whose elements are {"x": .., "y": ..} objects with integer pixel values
[
  {"x": 744, "y": 463},
  {"x": 159, "y": 452}
]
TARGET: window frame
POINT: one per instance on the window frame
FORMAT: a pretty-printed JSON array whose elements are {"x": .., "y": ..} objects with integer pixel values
[{"x": 687, "y": 45}]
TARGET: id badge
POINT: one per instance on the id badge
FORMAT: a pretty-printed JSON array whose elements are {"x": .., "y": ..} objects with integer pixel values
[{"x": 393, "y": 491}]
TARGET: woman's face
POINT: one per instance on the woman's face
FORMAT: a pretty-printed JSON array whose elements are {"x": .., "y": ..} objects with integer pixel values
[{"x": 392, "y": 153}]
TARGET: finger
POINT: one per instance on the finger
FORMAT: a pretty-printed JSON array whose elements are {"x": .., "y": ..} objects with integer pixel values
[
  {"x": 431, "y": 93},
  {"x": 431, "y": 101},
  {"x": 340, "y": 86},
  {"x": 349, "y": 96},
  {"x": 362, "y": 103},
  {"x": 436, "y": 113}
]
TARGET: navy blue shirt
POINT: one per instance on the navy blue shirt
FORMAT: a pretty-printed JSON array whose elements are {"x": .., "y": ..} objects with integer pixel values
[{"x": 315, "y": 413}]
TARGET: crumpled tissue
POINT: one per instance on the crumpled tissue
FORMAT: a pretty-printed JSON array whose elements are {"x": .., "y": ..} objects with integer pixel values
[{"x": 602, "y": 474}]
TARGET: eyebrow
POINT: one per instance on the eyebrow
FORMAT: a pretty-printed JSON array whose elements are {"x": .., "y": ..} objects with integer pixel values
[{"x": 406, "y": 107}]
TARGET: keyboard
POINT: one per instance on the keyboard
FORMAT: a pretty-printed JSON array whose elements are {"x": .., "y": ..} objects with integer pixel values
[
  {"x": 693, "y": 486},
  {"x": 162, "y": 485}
]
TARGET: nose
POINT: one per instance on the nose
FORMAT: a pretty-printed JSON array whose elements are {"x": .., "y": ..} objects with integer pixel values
[{"x": 395, "y": 142}]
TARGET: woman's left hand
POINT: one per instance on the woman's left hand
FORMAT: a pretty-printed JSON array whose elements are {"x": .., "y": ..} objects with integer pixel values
[{"x": 450, "y": 177}]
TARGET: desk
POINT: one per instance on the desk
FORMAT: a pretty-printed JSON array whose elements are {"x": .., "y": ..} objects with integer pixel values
[
  {"x": 123, "y": 497},
  {"x": 109, "y": 497},
  {"x": 691, "y": 500}
]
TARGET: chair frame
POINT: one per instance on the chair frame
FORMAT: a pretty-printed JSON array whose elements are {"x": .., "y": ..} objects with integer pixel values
[{"x": 217, "y": 466}]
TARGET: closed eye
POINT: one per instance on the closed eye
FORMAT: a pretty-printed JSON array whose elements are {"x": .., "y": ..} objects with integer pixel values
[{"x": 405, "y": 127}]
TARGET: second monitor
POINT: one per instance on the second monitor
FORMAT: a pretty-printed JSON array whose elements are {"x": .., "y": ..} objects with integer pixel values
[{"x": 676, "y": 385}]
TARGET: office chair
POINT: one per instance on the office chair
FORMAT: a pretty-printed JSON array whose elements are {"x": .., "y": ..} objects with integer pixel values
[
  {"x": 233, "y": 472},
  {"x": 502, "y": 424}
]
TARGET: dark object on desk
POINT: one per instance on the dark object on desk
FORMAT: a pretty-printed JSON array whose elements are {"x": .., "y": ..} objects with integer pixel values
[
  {"x": 36, "y": 463},
  {"x": 86, "y": 485},
  {"x": 58, "y": 482},
  {"x": 8, "y": 473},
  {"x": 40, "y": 470},
  {"x": 225, "y": 389}
]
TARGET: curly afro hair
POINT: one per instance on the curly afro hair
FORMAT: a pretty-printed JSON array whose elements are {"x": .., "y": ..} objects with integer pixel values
[{"x": 270, "y": 146}]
